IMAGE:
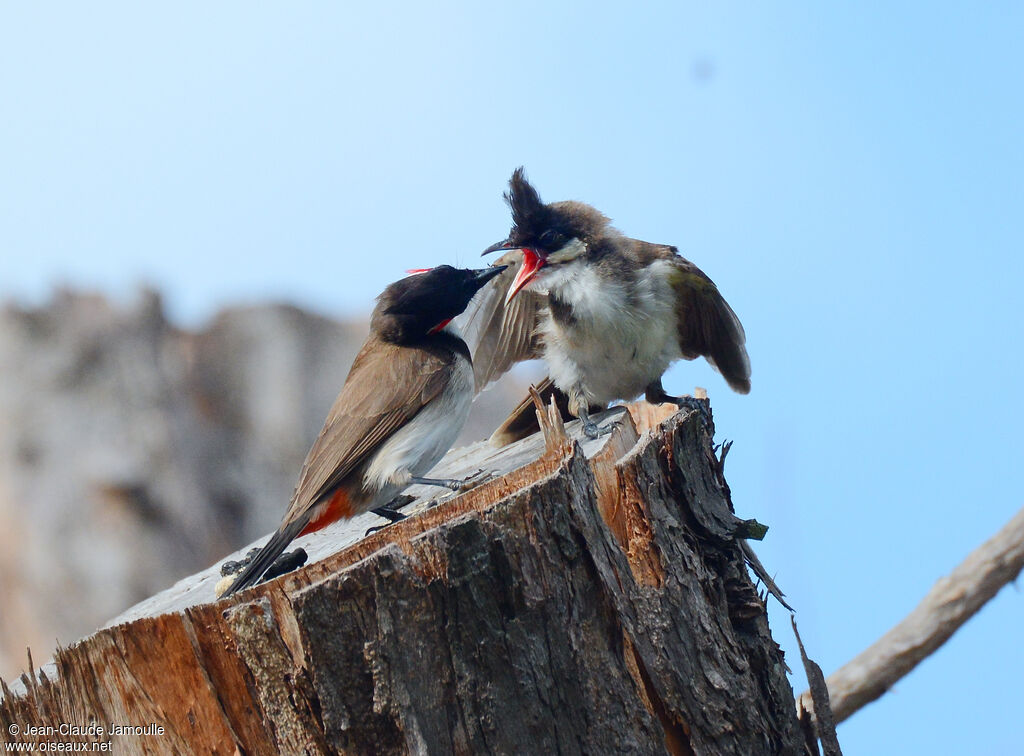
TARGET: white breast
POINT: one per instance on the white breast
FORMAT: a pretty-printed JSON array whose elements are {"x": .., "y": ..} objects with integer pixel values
[
  {"x": 618, "y": 344},
  {"x": 419, "y": 445}
]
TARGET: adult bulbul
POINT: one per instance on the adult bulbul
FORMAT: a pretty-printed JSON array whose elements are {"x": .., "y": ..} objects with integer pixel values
[
  {"x": 607, "y": 313},
  {"x": 404, "y": 401}
]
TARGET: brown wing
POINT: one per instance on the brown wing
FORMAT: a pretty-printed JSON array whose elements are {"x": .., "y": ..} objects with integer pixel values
[
  {"x": 500, "y": 336},
  {"x": 386, "y": 386},
  {"x": 707, "y": 325}
]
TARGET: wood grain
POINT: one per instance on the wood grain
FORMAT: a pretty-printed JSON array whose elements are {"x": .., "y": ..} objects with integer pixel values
[{"x": 589, "y": 598}]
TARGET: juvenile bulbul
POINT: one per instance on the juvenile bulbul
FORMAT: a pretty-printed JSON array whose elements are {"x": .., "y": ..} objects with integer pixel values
[
  {"x": 607, "y": 313},
  {"x": 404, "y": 401}
]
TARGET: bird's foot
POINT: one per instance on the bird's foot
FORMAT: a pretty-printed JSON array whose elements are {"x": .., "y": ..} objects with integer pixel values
[
  {"x": 656, "y": 395},
  {"x": 451, "y": 483},
  {"x": 593, "y": 430},
  {"x": 377, "y": 528},
  {"x": 390, "y": 512},
  {"x": 454, "y": 484},
  {"x": 580, "y": 407},
  {"x": 474, "y": 480}
]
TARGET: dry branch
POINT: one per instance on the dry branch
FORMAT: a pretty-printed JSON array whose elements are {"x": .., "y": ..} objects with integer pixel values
[{"x": 949, "y": 604}]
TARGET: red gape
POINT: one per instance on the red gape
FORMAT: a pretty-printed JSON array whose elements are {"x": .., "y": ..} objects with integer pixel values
[
  {"x": 532, "y": 262},
  {"x": 440, "y": 325}
]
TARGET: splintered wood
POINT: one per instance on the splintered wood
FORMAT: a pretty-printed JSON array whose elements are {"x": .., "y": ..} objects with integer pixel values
[
  {"x": 552, "y": 427},
  {"x": 586, "y": 598}
]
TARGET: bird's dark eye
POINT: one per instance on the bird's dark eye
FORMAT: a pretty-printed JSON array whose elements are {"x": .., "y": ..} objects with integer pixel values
[{"x": 552, "y": 240}]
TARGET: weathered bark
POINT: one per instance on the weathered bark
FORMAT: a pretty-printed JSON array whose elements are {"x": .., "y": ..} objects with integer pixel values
[{"x": 591, "y": 599}]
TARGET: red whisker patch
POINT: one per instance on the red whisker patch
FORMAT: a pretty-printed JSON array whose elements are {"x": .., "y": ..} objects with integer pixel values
[{"x": 440, "y": 325}]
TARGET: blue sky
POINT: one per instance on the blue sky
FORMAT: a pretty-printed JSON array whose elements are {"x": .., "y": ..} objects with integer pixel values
[{"x": 849, "y": 176}]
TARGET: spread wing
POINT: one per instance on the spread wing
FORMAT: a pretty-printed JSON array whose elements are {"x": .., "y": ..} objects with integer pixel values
[
  {"x": 386, "y": 386},
  {"x": 707, "y": 325},
  {"x": 500, "y": 336}
]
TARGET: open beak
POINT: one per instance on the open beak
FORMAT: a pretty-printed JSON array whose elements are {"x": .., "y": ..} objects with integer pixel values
[
  {"x": 532, "y": 262},
  {"x": 502, "y": 246}
]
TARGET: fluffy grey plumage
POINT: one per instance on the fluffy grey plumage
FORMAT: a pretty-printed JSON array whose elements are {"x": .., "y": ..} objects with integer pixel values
[{"x": 607, "y": 313}]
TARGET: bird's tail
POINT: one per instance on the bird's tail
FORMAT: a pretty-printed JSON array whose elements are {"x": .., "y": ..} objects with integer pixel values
[
  {"x": 253, "y": 571},
  {"x": 725, "y": 345}
]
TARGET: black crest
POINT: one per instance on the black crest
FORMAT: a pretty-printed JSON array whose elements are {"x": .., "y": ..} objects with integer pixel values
[
  {"x": 529, "y": 214},
  {"x": 546, "y": 227}
]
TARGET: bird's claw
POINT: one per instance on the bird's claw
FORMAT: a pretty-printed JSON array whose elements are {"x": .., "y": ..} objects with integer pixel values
[
  {"x": 656, "y": 395},
  {"x": 701, "y": 406},
  {"x": 390, "y": 512},
  {"x": 474, "y": 480},
  {"x": 592, "y": 430},
  {"x": 453, "y": 484}
]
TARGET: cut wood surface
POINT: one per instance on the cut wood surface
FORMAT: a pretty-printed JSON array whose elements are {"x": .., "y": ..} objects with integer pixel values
[{"x": 590, "y": 597}]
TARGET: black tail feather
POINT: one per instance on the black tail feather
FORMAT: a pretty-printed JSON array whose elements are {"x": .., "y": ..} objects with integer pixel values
[
  {"x": 727, "y": 350},
  {"x": 253, "y": 571}
]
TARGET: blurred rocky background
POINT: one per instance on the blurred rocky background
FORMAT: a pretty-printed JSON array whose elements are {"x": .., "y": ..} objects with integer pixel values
[{"x": 133, "y": 453}]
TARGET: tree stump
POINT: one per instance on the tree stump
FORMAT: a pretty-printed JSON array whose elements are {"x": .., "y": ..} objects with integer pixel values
[{"x": 590, "y": 598}]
